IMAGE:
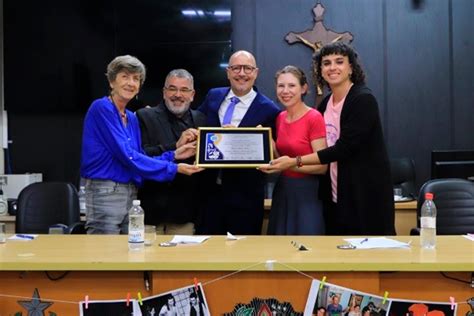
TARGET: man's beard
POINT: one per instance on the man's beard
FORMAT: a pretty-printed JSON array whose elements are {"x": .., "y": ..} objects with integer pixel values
[{"x": 175, "y": 110}]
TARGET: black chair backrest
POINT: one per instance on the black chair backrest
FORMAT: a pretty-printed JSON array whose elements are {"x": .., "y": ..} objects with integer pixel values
[
  {"x": 43, "y": 204},
  {"x": 454, "y": 199},
  {"x": 403, "y": 175}
]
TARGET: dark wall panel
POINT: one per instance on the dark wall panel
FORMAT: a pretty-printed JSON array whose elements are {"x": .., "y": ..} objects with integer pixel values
[
  {"x": 418, "y": 81},
  {"x": 56, "y": 54},
  {"x": 273, "y": 20},
  {"x": 243, "y": 25},
  {"x": 53, "y": 62},
  {"x": 50, "y": 145},
  {"x": 463, "y": 75},
  {"x": 364, "y": 19},
  {"x": 272, "y": 51},
  {"x": 417, "y": 55}
]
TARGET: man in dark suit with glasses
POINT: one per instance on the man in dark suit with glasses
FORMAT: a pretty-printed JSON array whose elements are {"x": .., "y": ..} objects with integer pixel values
[{"x": 236, "y": 196}]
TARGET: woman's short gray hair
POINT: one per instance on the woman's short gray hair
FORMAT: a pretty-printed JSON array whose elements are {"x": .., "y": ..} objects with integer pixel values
[{"x": 128, "y": 63}]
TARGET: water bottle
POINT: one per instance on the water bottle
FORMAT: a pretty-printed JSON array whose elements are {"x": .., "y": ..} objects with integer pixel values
[
  {"x": 428, "y": 223},
  {"x": 3, "y": 203},
  {"x": 82, "y": 200},
  {"x": 136, "y": 227}
]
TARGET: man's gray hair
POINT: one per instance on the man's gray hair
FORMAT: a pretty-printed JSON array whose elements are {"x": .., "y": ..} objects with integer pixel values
[{"x": 180, "y": 73}]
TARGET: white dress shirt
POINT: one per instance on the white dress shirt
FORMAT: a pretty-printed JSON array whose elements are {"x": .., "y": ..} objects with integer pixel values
[{"x": 240, "y": 108}]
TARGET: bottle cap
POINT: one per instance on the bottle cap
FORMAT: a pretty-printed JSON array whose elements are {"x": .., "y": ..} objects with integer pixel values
[
  {"x": 429, "y": 196},
  {"x": 136, "y": 202}
]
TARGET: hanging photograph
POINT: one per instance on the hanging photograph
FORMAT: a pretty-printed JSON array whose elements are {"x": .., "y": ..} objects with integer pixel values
[
  {"x": 334, "y": 300},
  {"x": 185, "y": 301},
  {"x": 109, "y": 307},
  {"x": 421, "y": 308}
]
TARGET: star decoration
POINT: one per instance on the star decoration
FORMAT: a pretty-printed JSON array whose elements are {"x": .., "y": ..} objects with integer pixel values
[{"x": 35, "y": 307}]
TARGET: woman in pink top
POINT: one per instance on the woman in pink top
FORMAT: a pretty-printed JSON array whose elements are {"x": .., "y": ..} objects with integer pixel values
[
  {"x": 358, "y": 192},
  {"x": 300, "y": 130}
]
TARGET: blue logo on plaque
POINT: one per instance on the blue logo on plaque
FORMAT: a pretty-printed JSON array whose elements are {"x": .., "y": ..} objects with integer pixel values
[{"x": 212, "y": 152}]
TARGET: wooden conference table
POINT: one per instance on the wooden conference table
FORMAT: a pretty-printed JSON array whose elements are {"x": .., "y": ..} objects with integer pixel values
[{"x": 103, "y": 268}]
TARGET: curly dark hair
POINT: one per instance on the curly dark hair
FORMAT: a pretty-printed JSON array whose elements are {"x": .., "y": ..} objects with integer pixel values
[{"x": 339, "y": 48}]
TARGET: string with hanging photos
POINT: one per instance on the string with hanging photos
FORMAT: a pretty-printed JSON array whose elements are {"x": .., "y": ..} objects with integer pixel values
[{"x": 451, "y": 300}]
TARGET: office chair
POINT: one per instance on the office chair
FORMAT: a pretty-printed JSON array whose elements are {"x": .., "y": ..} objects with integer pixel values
[
  {"x": 454, "y": 199},
  {"x": 44, "y": 204},
  {"x": 403, "y": 176}
]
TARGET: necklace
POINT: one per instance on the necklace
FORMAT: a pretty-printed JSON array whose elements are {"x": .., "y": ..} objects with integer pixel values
[{"x": 123, "y": 115}]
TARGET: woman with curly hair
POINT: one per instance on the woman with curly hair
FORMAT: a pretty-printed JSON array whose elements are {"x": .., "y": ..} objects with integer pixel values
[{"x": 358, "y": 192}]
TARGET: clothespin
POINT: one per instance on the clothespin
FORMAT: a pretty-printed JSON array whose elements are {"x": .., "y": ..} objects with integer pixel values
[
  {"x": 453, "y": 303},
  {"x": 196, "y": 286},
  {"x": 86, "y": 299},
  {"x": 128, "y": 299},
  {"x": 322, "y": 283},
  {"x": 140, "y": 298},
  {"x": 385, "y": 296}
]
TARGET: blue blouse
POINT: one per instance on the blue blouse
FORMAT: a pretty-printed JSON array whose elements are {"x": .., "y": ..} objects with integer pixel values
[{"x": 112, "y": 151}]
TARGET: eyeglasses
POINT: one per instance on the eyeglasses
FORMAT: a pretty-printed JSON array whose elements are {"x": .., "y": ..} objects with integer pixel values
[
  {"x": 237, "y": 68},
  {"x": 175, "y": 90}
]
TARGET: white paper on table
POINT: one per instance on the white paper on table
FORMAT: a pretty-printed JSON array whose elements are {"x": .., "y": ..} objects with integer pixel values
[
  {"x": 186, "y": 239},
  {"x": 25, "y": 237},
  {"x": 469, "y": 236},
  {"x": 232, "y": 237},
  {"x": 376, "y": 242}
]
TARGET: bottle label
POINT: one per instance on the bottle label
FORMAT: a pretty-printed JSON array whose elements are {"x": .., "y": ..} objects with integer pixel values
[
  {"x": 428, "y": 222},
  {"x": 3, "y": 207},
  {"x": 136, "y": 236}
]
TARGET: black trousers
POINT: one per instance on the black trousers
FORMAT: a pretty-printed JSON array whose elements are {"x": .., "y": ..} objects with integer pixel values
[{"x": 234, "y": 211}]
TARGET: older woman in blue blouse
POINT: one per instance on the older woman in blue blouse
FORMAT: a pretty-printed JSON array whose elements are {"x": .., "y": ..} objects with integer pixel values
[{"x": 113, "y": 163}]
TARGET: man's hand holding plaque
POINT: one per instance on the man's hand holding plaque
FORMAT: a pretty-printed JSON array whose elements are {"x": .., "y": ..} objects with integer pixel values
[{"x": 188, "y": 136}]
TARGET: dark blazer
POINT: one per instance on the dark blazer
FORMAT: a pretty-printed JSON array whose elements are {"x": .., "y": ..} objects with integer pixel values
[
  {"x": 192, "y": 311},
  {"x": 242, "y": 190},
  {"x": 175, "y": 201},
  {"x": 364, "y": 186},
  {"x": 262, "y": 110}
]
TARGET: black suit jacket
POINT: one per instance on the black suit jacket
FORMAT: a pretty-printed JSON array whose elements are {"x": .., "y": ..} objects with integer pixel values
[
  {"x": 192, "y": 311},
  {"x": 175, "y": 201}
]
